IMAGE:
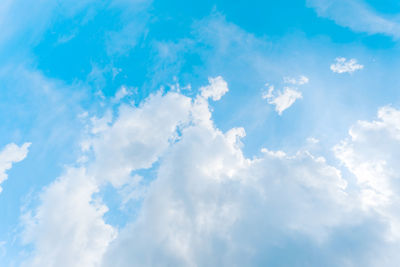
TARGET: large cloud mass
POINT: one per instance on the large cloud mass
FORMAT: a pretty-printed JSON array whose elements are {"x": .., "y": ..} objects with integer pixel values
[{"x": 209, "y": 205}]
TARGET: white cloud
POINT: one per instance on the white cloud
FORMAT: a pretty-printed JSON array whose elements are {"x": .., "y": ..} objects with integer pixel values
[
  {"x": 206, "y": 199},
  {"x": 210, "y": 205},
  {"x": 68, "y": 229},
  {"x": 8, "y": 156},
  {"x": 342, "y": 65},
  {"x": 100, "y": 124},
  {"x": 300, "y": 81},
  {"x": 283, "y": 99},
  {"x": 217, "y": 88},
  {"x": 372, "y": 154},
  {"x": 356, "y": 15},
  {"x": 136, "y": 139}
]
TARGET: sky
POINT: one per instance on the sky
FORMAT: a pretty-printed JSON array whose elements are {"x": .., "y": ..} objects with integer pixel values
[{"x": 199, "y": 133}]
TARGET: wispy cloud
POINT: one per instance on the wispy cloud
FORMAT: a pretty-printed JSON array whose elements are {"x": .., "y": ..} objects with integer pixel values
[
  {"x": 358, "y": 16},
  {"x": 299, "y": 81}
]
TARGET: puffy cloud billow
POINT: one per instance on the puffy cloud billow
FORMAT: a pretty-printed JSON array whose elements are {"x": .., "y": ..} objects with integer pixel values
[{"x": 210, "y": 205}]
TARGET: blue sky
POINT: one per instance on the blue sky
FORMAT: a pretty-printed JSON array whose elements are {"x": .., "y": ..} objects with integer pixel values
[{"x": 199, "y": 133}]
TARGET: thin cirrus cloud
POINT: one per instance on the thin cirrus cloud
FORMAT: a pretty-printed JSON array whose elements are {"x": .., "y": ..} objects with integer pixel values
[
  {"x": 358, "y": 16},
  {"x": 299, "y": 81}
]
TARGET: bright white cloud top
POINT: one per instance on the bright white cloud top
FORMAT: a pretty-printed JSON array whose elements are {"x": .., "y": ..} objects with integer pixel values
[
  {"x": 300, "y": 81},
  {"x": 11, "y": 154},
  {"x": 343, "y": 65},
  {"x": 376, "y": 166},
  {"x": 217, "y": 88}
]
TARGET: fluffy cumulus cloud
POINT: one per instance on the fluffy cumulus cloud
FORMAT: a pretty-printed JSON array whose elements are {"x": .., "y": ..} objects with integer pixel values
[
  {"x": 217, "y": 88},
  {"x": 343, "y": 65},
  {"x": 372, "y": 153},
  {"x": 68, "y": 227},
  {"x": 11, "y": 154},
  {"x": 210, "y": 205},
  {"x": 137, "y": 138},
  {"x": 226, "y": 210},
  {"x": 284, "y": 99}
]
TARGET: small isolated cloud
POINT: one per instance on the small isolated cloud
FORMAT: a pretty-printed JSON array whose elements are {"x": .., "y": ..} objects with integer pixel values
[
  {"x": 286, "y": 98},
  {"x": 216, "y": 89},
  {"x": 342, "y": 65},
  {"x": 9, "y": 155}
]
